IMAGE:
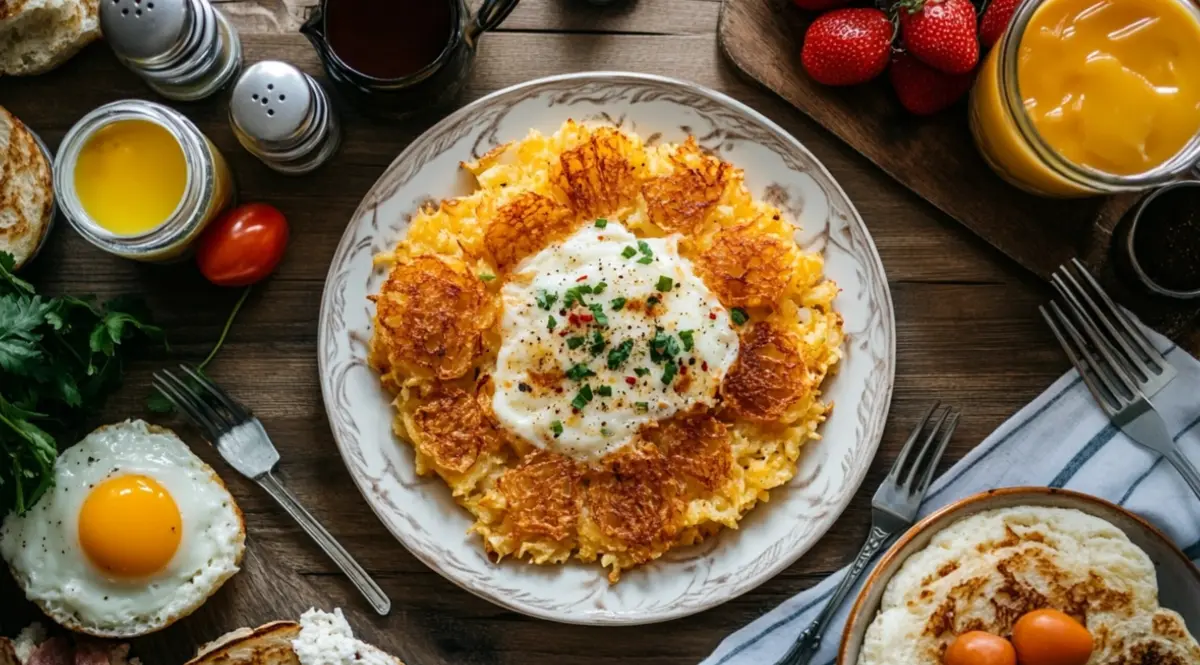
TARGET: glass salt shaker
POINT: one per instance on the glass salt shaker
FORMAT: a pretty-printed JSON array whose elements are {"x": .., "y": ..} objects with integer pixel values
[
  {"x": 283, "y": 117},
  {"x": 184, "y": 49}
]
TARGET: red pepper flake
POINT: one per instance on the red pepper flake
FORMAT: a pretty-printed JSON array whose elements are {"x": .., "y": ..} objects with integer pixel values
[
  {"x": 573, "y": 319},
  {"x": 586, "y": 317},
  {"x": 581, "y": 279},
  {"x": 564, "y": 333},
  {"x": 631, "y": 381},
  {"x": 683, "y": 370},
  {"x": 704, "y": 365},
  {"x": 712, "y": 315}
]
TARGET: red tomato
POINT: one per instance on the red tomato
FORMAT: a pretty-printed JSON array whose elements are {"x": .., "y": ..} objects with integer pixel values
[{"x": 242, "y": 246}]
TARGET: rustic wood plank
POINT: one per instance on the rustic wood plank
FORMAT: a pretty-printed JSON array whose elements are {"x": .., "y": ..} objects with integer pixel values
[{"x": 968, "y": 333}]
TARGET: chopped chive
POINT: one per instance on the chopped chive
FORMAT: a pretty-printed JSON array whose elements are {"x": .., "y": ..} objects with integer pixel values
[
  {"x": 663, "y": 347},
  {"x": 669, "y": 372},
  {"x": 689, "y": 340},
  {"x": 551, "y": 323},
  {"x": 641, "y": 371},
  {"x": 599, "y": 288},
  {"x": 644, "y": 247},
  {"x": 487, "y": 277},
  {"x": 574, "y": 342},
  {"x": 628, "y": 252},
  {"x": 646, "y": 260},
  {"x": 598, "y": 313},
  {"x": 641, "y": 407},
  {"x": 617, "y": 303},
  {"x": 601, "y": 223},
  {"x": 664, "y": 283},
  {"x": 620, "y": 354},
  {"x": 739, "y": 315},
  {"x": 598, "y": 343},
  {"x": 546, "y": 300},
  {"x": 582, "y": 397},
  {"x": 604, "y": 391},
  {"x": 579, "y": 372},
  {"x": 557, "y": 428}
]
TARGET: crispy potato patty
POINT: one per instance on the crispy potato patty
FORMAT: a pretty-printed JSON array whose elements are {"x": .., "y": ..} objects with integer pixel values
[{"x": 680, "y": 479}]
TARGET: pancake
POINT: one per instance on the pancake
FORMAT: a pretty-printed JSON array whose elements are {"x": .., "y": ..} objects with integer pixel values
[{"x": 986, "y": 571}]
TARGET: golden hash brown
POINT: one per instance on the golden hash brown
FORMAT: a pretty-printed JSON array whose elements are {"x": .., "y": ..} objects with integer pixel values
[
  {"x": 697, "y": 447},
  {"x": 769, "y": 375},
  {"x": 454, "y": 427},
  {"x": 523, "y": 226},
  {"x": 542, "y": 496},
  {"x": 747, "y": 268},
  {"x": 681, "y": 478},
  {"x": 430, "y": 315},
  {"x": 597, "y": 175},
  {"x": 679, "y": 202}
]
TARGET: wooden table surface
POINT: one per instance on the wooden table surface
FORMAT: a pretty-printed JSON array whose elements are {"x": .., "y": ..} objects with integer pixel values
[{"x": 968, "y": 333}]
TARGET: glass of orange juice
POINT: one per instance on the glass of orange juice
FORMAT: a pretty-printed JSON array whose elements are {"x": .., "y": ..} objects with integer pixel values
[{"x": 1085, "y": 97}]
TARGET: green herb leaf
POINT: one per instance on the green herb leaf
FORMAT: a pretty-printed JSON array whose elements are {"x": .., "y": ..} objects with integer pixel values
[
  {"x": 644, "y": 247},
  {"x": 646, "y": 260},
  {"x": 575, "y": 341},
  {"x": 575, "y": 294},
  {"x": 598, "y": 314},
  {"x": 601, "y": 223},
  {"x": 7, "y": 265},
  {"x": 599, "y": 288},
  {"x": 582, "y": 397},
  {"x": 486, "y": 277},
  {"x": 689, "y": 339},
  {"x": 669, "y": 372},
  {"x": 664, "y": 283},
  {"x": 604, "y": 391},
  {"x": 663, "y": 347},
  {"x": 598, "y": 343},
  {"x": 557, "y": 428},
  {"x": 641, "y": 371},
  {"x": 620, "y": 354},
  {"x": 579, "y": 372},
  {"x": 617, "y": 303},
  {"x": 641, "y": 407},
  {"x": 551, "y": 323},
  {"x": 739, "y": 315},
  {"x": 628, "y": 252},
  {"x": 545, "y": 299}
]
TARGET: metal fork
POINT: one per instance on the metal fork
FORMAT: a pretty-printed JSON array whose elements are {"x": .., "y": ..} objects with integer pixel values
[
  {"x": 893, "y": 510},
  {"x": 241, "y": 439},
  {"x": 1113, "y": 372}
]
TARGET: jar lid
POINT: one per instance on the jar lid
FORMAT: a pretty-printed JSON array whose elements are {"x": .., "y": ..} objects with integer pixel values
[
  {"x": 144, "y": 29},
  {"x": 272, "y": 103}
]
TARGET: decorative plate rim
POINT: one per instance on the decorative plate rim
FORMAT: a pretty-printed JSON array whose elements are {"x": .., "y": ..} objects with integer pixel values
[{"x": 730, "y": 590}]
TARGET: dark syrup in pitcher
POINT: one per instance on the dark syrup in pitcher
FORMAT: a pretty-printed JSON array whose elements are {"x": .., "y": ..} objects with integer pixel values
[{"x": 388, "y": 39}]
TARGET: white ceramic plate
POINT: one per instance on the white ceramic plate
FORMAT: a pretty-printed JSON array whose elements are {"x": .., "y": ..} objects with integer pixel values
[{"x": 420, "y": 512}]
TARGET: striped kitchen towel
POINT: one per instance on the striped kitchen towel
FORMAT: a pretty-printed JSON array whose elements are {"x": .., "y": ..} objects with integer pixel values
[{"x": 1061, "y": 439}]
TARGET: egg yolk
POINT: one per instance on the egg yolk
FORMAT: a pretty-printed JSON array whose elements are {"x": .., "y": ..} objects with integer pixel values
[{"x": 129, "y": 526}]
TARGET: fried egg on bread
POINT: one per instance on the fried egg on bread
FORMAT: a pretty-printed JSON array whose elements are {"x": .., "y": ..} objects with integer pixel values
[
  {"x": 136, "y": 533},
  {"x": 608, "y": 349}
]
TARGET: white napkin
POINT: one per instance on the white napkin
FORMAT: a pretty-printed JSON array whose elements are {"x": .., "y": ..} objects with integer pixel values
[{"x": 1061, "y": 439}]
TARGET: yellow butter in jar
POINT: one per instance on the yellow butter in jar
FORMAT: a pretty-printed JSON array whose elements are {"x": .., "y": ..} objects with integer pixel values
[{"x": 139, "y": 180}]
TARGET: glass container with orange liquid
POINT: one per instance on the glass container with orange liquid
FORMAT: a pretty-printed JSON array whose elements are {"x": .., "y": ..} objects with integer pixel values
[{"x": 1085, "y": 97}]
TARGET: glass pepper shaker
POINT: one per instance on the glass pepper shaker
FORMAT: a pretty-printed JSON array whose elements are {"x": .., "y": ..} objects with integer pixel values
[
  {"x": 184, "y": 49},
  {"x": 283, "y": 117}
]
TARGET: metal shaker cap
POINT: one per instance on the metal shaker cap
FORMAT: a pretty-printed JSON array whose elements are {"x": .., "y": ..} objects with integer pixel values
[
  {"x": 271, "y": 102},
  {"x": 144, "y": 29}
]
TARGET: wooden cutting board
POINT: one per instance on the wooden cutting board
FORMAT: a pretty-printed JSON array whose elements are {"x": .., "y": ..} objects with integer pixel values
[{"x": 936, "y": 158}]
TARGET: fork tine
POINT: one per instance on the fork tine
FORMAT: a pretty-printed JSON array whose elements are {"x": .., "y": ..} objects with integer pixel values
[
  {"x": 894, "y": 475},
  {"x": 170, "y": 386},
  {"x": 922, "y": 453},
  {"x": 223, "y": 421},
  {"x": 1117, "y": 368},
  {"x": 239, "y": 412},
  {"x": 947, "y": 432},
  {"x": 1131, "y": 330},
  {"x": 1080, "y": 358},
  {"x": 1114, "y": 341}
]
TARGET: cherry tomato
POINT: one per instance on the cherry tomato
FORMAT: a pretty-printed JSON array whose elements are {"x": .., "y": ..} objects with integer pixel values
[
  {"x": 979, "y": 648},
  {"x": 1049, "y": 637},
  {"x": 242, "y": 246}
]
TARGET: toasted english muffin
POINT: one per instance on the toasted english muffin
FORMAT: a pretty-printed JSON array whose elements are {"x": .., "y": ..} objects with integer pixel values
[
  {"x": 39, "y": 35},
  {"x": 320, "y": 638},
  {"x": 269, "y": 644},
  {"x": 26, "y": 189}
]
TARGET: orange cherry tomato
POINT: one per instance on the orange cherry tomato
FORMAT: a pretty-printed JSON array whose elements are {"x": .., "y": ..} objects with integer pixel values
[
  {"x": 242, "y": 246},
  {"x": 980, "y": 648},
  {"x": 1049, "y": 637}
]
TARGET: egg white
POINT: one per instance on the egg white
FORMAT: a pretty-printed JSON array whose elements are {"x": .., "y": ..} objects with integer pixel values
[
  {"x": 43, "y": 550},
  {"x": 590, "y": 256}
]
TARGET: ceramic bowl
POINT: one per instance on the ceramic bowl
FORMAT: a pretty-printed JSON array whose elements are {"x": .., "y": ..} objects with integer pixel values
[{"x": 1178, "y": 579}]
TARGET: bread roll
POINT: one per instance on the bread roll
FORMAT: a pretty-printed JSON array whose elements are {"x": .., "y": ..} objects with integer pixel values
[
  {"x": 26, "y": 187},
  {"x": 39, "y": 35}
]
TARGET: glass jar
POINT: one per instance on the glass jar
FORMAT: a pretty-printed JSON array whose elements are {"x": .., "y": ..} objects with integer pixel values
[
  {"x": 208, "y": 190},
  {"x": 1012, "y": 146}
]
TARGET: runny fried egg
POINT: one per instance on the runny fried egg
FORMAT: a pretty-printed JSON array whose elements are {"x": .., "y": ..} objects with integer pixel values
[
  {"x": 136, "y": 533},
  {"x": 603, "y": 333}
]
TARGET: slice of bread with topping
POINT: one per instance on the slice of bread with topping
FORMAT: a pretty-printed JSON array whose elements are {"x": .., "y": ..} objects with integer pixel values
[
  {"x": 39, "y": 35},
  {"x": 26, "y": 189},
  {"x": 320, "y": 638}
]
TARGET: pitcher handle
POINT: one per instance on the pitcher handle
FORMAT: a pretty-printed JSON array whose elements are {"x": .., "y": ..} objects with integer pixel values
[{"x": 489, "y": 16}]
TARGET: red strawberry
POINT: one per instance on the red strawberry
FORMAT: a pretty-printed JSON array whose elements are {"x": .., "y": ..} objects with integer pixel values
[
  {"x": 847, "y": 46},
  {"x": 994, "y": 21},
  {"x": 924, "y": 90},
  {"x": 941, "y": 33},
  {"x": 819, "y": 5}
]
